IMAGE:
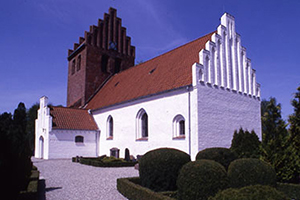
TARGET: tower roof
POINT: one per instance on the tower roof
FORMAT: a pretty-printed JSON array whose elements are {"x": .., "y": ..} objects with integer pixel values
[{"x": 166, "y": 72}]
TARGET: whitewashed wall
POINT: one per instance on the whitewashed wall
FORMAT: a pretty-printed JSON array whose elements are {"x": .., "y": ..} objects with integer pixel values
[
  {"x": 62, "y": 143},
  {"x": 43, "y": 124},
  {"x": 221, "y": 111},
  {"x": 59, "y": 143},
  {"x": 161, "y": 110}
]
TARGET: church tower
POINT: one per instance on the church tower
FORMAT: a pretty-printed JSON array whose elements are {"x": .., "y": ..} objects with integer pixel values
[{"x": 102, "y": 52}]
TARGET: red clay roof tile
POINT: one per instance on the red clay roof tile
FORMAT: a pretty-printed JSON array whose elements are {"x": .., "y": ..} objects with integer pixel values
[
  {"x": 166, "y": 72},
  {"x": 71, "y": 118}
]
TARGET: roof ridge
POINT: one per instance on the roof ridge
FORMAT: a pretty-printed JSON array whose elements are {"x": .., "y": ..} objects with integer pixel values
[{"x": 64, "y": 107}]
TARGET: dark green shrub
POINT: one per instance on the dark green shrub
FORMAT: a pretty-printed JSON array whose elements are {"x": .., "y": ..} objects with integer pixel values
[
  {"x": 131, "y": 189},
  {"x": 200, "y": 179},
  {"x": 104, "y": 161},
  {"x": 253, "y": 192},
  {"x": 245, "y": 144},
  {"x": 159, "y": 168},
  {"x": 221, "y": 155},
  {"x": 250, "y": 171},
  {"x": 290, "y": 190}
]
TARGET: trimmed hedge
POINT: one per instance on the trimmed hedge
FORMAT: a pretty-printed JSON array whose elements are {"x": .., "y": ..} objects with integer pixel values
[
  {"x": 104, "y": 161},
  {"x": 159, "y": 168},
  {"x": 223, "y": 156},
  {"x": 31, "y": 191},
  {"x": 250, "y": 171},
  {"x": 200, "y": 179},
  {"x": 130, "y": 188},
  {"x": 290, "y": 190},
  {"x": 259, "y": 192}
]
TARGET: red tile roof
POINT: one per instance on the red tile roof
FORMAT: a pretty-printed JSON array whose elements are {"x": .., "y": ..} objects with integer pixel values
[
  {"x": 166, "y": 72},
  {"x": 71, "y": 118}
]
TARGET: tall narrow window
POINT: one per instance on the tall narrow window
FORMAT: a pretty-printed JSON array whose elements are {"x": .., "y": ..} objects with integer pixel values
[
  {"x": 104, "y": 63},
  {"x": 142, "y": 131},
  {"x": 181, "y": 128},
  {"x": 73, "y": 67},
  {"x": 178, "y": 127},
  {"x": 117, "y": 65},
  {"x": 145, "y": 125},
  {"x": 78, "y": 62},
  {"x": 110, "y": 127}
]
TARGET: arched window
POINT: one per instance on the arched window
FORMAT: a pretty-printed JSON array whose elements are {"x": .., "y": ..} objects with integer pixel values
[
  {"x": 41, "y": 147},
  {"x": 79, "y": 139},
  {"x": 110, "y": 127},
  {"x": 142, "y": 125},
  {"x": 178, "y": 127}
]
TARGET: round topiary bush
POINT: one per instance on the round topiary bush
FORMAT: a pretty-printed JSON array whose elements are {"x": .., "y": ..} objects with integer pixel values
[
  {"x": 249, "y": 193},
  {"x": 250, "y": 171},
  {"x": 221, "y": 155},
  {"x": 200, "y": 179},
  {"x": 159, "y": 168}
]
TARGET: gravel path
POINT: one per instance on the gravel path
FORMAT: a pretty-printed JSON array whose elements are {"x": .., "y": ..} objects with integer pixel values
[{"x": 65, "y": 180}]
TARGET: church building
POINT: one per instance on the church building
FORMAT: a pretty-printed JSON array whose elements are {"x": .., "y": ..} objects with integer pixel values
[{"x": 190, "y": 98}]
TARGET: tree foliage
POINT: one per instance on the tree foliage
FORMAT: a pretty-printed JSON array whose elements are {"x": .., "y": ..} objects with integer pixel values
[
  {"x": 274, "y": 135},
  {"x": 31, "y": 117},
  {"x": 294, "y": 140},
  {"x": 245, "y": 144},
  {"x": 281, "y": 147},
  {"x": 15, "y": 162}
]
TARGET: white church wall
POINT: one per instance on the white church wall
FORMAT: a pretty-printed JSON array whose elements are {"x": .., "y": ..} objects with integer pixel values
[
  {"x": 161, "y": 111},
  {"x": 43, "y": 124},
  {"x": 221, "y": 112},
  {"x": 62, "y": 143}
]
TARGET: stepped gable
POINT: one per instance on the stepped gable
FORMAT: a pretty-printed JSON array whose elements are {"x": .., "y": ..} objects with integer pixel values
[
  {"x": 71, "y": 119},
  {"x": 109, "y": 34},
  {"x": 103, "y": 51},
  {"x": 166, "y": 72}
]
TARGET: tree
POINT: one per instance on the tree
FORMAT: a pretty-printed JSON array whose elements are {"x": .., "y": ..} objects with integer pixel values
[
  {"x": 31, "y": 117},
  {"x": 245, "y": 144},
  {"x": 273, "y": 126},
  {"x": 294, "y": 139},
  {"x": 274, "y": 135},
  {"x": 15, "y": 162}
]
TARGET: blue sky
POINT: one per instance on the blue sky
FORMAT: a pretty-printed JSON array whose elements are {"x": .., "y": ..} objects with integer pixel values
[{"x": 35, "y": 36}]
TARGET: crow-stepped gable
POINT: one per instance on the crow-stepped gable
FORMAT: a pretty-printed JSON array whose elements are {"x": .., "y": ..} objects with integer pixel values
[{"x": 103, "y": 51}]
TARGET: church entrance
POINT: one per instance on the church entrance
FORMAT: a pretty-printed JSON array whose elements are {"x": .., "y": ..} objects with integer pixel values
[{"x": 41, "y": 147}]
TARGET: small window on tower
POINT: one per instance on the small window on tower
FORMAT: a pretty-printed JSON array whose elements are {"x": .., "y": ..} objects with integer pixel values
[
  {"x": 73, "y": 67},
  {"x": 78, "y": 62},
  {"x": 117, "y": 65},
  {"x": 104, "y": 62}
]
